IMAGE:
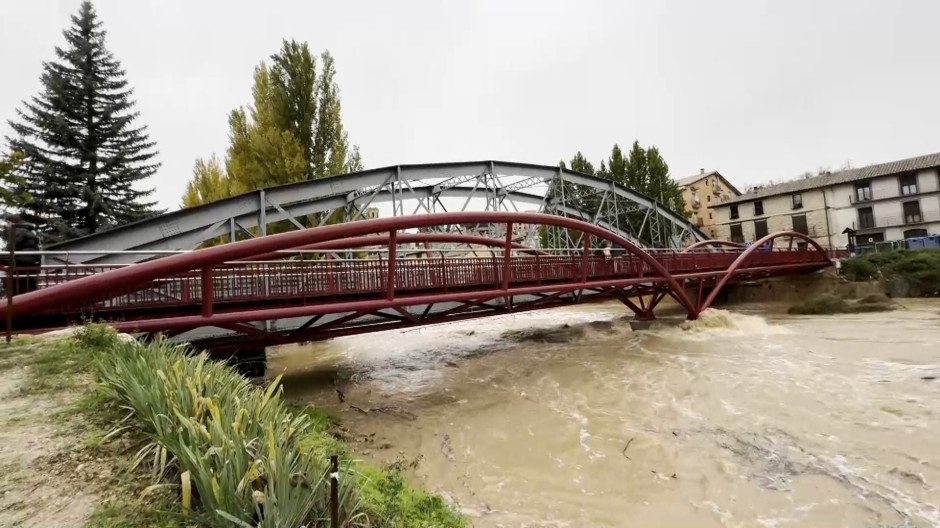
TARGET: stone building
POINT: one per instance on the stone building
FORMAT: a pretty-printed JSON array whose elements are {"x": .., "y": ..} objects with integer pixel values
[
  {"x": 702, "y": 191},
  {"x": 888, "y": 201}
]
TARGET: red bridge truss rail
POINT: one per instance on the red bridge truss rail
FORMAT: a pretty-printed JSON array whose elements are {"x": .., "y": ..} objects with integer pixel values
[{"x": 234, "y": 285}]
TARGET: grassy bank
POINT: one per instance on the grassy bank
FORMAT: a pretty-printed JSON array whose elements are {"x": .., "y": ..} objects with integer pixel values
[
  {"x": 909, "y": 273},
  {"x": 194, "y": 444}
]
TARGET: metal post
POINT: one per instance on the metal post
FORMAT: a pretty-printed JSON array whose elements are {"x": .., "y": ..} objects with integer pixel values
[
  {"x": 207, "y": 292},
  {"x": 330, "y": 281},
  {"x": 538, "y": 268},
  {"x": 262, "y": 214},
  {"x": 334, "y": 491},
  {"x": 11, "y": 269},
  {"x": 507, "y": 252},
  {"x": 392, "y": 247},
  {"x": 584, "y": 257}
]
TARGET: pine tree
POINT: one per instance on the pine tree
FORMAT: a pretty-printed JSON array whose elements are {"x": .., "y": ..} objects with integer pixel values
[{"x": 84, "y": 157}]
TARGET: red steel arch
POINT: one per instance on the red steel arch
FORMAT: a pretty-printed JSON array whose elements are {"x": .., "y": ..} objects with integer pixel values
[
  {"x": 748, "y": 254},
  {"x": 105, "y": 285},
  {"x": 706, "y": 243},
  {"x": 402, "y": 238}
]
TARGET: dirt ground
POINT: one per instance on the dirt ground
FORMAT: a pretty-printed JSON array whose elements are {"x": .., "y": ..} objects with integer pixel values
[{"x": 47, "y": 477}]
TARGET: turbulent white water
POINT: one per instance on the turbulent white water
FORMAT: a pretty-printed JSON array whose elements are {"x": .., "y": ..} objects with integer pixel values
[{"x": 737, "y": 419}]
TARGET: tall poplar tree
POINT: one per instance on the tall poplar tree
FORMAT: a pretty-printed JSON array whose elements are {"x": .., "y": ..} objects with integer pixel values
[
  {"x": 84, "y": 155},
  {"x": 292, "y": 132}
]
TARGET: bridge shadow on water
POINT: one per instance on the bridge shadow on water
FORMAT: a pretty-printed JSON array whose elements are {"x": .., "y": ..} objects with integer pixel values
[{"x": 414, "y": 364}]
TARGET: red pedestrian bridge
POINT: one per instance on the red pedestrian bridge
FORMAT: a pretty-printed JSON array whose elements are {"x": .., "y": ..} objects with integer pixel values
[{"x": 291, "y": 287}]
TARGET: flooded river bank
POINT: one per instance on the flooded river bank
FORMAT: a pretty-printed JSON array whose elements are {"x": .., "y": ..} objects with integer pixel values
[{"x": 744, "y": 418}]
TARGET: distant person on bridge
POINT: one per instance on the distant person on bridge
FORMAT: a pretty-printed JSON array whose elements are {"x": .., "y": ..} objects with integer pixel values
[{"x": 24, "y": 239}]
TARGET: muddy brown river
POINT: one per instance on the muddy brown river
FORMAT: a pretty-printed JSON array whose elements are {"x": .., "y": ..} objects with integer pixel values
[{"x": 744, "y": 418}]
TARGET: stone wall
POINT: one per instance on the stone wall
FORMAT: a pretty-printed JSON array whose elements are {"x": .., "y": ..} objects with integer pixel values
[{"x": 796, "y": 288}]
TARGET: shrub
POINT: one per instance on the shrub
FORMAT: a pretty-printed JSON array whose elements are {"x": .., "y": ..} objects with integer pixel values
[
  {"x": 239, "y": 455},
  {"x": 237, "y": 451},
  {"x": 921, "y": 269}
]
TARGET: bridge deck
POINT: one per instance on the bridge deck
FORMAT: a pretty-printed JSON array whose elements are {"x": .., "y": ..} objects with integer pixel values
[{"x": 238, "y": 285}]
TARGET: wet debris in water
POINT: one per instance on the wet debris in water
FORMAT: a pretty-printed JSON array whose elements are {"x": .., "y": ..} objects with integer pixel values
[{"x": 624, "y": 452}]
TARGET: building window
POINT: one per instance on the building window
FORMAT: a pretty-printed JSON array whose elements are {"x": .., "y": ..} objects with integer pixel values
[
  {"x": 734, "y": 212},
  {"x": 796, "y": 200},
  {"x": 863, "y": 192},
  {"x": 709, "y": 215},
  {"x": 708, "y": 197},
  {"x": 758, "y": 208},
  {"x": 912, "y": 212},
  {"x": 737, "y": 234},
  {"x": 866, "y": 218},
  {"x": 915, "y": 233},
  {"x": 760, "y": 229},
  {"x": 908, "y": 184},
  {"x": 799, "y": 224}
]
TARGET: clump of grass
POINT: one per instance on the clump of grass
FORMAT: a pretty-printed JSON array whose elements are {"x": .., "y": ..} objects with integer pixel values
[
  {"x": 59, "y": 365},
  {"x": 389, "y": 501}
]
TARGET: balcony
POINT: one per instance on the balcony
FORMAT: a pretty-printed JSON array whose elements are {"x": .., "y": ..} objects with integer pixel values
[
  {"x": 886, "y": 194},
  {"x": 883, "y": 221}
]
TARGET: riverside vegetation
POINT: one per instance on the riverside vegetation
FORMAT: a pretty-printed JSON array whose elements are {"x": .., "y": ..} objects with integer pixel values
[
  {"x": 192, "y": 443},
  {"x": 906, "y": 273}
]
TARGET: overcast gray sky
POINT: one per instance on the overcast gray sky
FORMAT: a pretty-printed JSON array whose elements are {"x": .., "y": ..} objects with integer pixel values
[{"x": 757, "y": 89}]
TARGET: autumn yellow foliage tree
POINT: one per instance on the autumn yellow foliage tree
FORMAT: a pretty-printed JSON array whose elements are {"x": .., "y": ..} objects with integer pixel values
[{"x": 291, "y": 132}]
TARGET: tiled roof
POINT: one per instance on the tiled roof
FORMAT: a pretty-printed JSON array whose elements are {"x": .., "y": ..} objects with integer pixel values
[
  {"x": 846, "y": 176},
  {"x": 685, "y": 182},
  {"x": 692, "y": 179}
]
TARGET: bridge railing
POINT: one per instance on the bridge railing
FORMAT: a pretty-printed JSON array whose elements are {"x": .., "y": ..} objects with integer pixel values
[{"x": 312, "y": 279}]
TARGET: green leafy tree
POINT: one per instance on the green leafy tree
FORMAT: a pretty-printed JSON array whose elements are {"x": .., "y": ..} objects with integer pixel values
[
  {"x": 11, "y": 194},
  {"x": 209, "y": 183},
  {"x": 261, "y": 153},
  {"x": 354, "y": 160},
  {"x": 581, "y": 164},
  {"x": 84, "y": 156},
  {"x": 294, "y": 94},
  {"x": 659, "y": 185},
  {"x": 617, "y": 166},
  {"x": 635, "y": 170},
  {"x": 293, "y": 131},
  {"x": 331, "y": 144}
]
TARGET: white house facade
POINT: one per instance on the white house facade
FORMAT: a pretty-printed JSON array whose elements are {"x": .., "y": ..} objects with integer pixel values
[{"x": 884, "y": 202}]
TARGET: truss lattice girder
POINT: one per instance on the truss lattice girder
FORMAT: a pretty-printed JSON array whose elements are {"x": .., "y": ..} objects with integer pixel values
[{"x": 187, "y": 228}]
